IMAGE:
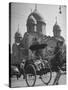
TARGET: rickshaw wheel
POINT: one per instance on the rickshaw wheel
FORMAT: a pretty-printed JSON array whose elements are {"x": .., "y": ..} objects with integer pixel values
[
  {"x": 46, "y": 77},
  {"x": 30, "y": 75}
]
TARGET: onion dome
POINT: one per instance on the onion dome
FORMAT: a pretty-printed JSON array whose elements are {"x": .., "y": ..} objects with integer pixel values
[
  {"x": 18, "y": 36},
  {"x": 34, "y": 18},
  {"x": 56, "y": 27}
]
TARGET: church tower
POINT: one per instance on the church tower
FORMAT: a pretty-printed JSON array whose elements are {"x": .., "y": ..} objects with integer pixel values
[
  {"x": 18, "y": 36},
  {"x": 57, "y": 32},
  {"x": 35, "y": 22},
  {"x": 56, "y": 29}
]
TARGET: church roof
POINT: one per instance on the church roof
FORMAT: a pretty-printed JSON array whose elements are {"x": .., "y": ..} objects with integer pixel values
[
  {"x": 35, "y": 17},
  {"x": 56, "y": 27},
  {"x": 17, "y": 34}
]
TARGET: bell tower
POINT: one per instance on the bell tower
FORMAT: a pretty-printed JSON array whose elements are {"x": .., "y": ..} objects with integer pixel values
[{"x": 56, "y": 29}]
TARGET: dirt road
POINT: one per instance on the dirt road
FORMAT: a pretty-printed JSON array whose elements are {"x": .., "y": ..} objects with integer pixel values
[{"x": 22, "y": 83}]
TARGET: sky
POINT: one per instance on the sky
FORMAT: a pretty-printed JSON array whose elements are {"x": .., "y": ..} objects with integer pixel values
[{"x": 21, "y": 11}]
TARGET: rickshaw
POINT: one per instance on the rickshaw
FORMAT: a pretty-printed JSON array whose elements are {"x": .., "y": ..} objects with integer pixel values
[{"x": 37, "y": 68}]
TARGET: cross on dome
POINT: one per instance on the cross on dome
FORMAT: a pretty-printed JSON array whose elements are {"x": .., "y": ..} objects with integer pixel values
[
  {"x": 35, "y": 7},
  {"x": 56, "y": 20}
]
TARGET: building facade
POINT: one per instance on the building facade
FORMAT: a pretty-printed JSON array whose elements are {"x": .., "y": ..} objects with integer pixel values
[{"x": 35, "y": 26}]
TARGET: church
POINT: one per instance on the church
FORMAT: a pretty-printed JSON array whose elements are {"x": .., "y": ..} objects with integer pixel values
[{"x": 35, "y": 27}]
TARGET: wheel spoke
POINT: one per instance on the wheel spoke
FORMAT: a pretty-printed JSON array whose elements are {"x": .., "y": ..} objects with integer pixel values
[
  {"x": 30, "y": 79},
  {"x": 30, "y": 75},
  {"x": 46, "y": 78}
]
